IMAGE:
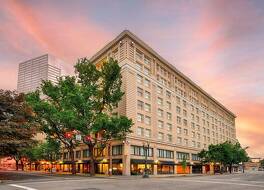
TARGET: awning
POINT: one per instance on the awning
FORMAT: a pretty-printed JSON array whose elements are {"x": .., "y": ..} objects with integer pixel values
[
  {"x": 67, "y": 162},
  {"x": 166, "y": 163},
  {"x": 114, "y": 161},
  {"x": 141, "y": 161}
]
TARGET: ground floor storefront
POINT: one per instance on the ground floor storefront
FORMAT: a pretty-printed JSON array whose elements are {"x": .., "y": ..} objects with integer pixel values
[{"x": 136, "y": 167}]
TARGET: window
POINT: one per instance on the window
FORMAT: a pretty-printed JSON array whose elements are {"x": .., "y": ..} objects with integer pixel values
[
  {"x": 169, "y": 138},
  {"x": 78, "y": 154},
  {"x": 140, "y": 105},
  {"x": 160, "y": 112},
  {"x": 147, "y": 107},
  {"x": 168, "y": 94},
  {"x": 160, "y": 136},
  {"x": 139, "y": 151},
  {"x": 185, "y": 131},
  {"x": 198, "y": 136},
  {"x": 178, "y": 110},
  {"x": 197, "y": 119},
  {"x": 184, "y": 113},
  {"x": 159, "y": 90},
  {"x": 184, "y": 122},
  {"x": 179, "y": 140},
  {"x": 193, "y": 134},
  {"x": 139, "y": 66},
  {"x": 139, "y": 55},
  {"x": 140, "y": 117},
  {"x": 195, "y": 157},
  {"x": 147, "y": 120},
  {"x": 147, "y": 61},
  {"x": 184, "y": 103},
  {"x": 86, "y": 153},
  {"x": 139, "y": 79},
  {"x": 148, "y": 133},
  {"x": 140, "y": 92},
  {"x": 178, "y": 120},
  {"x": 178, "y": 100},
  {"x": 193, "y": 144},
  {"x": 160, "y": 101},
  {"x": 147, "y": 95},
  {"x": 169, "y": 127},
  {"x": 168, "y": 105},
  {"x": 192, "y": 115},
  {"x": 193, "y": 125},
  {"x": 169, "y": 116},
  {"x": 140, "y": 131},
  {"x": 146, "y": 71},
  {"x": 179, "y": 130},
  {"x": 160, "y": 124},
  {"x": 198, "y": 127},
  {"x": 182, "y": 155},
  {"x": 198, "y": 145},
  {"x": 165, "y": 153},
  {"x": 117, "y": 150},
  {"x": 147, "y": 83},
  {"x": 186, "y": 142}
]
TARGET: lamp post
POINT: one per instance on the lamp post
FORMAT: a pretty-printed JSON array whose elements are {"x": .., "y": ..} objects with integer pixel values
[{"x": 146, "y": 149}]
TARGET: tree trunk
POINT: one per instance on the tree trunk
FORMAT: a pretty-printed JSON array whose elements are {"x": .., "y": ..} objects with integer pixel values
[
  {"x": 110, "y": 172},
  {"x": 91, "y": 151},
  {"x": 22, "y": 165},
  {"x": 73, "y": 162},
  {"x": 230, "y": 168},
  {"x": 16, "y": 165}
]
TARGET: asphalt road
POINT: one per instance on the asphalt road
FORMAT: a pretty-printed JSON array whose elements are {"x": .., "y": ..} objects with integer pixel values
[{"x": 247, "y": 181}]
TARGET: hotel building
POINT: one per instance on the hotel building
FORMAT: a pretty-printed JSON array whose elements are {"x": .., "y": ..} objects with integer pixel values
[
  {"x": 170, "y": 112},
  {"x": 33, "y": 71}
]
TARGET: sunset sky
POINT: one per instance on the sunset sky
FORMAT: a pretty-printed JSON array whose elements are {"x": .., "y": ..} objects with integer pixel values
[{"x": 218, "y": 44}]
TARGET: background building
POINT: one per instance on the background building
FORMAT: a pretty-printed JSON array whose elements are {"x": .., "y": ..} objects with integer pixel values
[
  {"x": 33, "y": 71},
  {"x": 170, "y": 113}
]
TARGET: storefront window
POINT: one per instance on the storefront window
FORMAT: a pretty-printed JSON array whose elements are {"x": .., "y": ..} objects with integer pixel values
[
  {"x": 165, "y": 169},
  {"x": 138, "y": 169}
]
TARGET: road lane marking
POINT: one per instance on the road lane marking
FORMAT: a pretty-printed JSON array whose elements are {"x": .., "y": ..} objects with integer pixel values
[
  {"x": 22, "y": 187},
  {"x": 219, "y": 182},
  {"x": 64, "y": 181}
]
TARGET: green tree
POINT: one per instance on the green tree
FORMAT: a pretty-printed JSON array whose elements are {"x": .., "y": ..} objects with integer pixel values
[
  {"x": 53, "y": 109},
  {"x": 48, "y": 151},
  {"x": 184, "y": 164},
  {"x": 104, "y": 82},
  {"x": 17, "y": 128},
  {"x": 83, "y": 106},
  {"x": 262, "y": 163},
  {"x": 227, "y": 154}
]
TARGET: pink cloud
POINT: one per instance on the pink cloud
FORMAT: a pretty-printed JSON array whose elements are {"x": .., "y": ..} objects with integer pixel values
[{"x": 66, "y": 38}]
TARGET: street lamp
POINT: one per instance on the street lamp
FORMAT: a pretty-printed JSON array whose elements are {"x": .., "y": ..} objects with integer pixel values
[{"x": 146, "y": 149}]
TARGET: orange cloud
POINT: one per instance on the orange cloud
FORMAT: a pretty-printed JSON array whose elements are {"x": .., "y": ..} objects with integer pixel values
[{"x": 67, "y": 38}]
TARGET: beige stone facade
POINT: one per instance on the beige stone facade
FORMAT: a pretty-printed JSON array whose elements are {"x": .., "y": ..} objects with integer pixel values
[{"x": 170, "y": 112}]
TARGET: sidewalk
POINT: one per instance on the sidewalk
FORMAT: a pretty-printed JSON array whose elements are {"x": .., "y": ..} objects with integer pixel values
[
  {"x": 68, "y": 174},
  {"x": 113, "y": 176}
]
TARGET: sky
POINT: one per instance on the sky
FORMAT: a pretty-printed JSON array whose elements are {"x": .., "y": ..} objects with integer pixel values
[{"x": 219, "y": 44}]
